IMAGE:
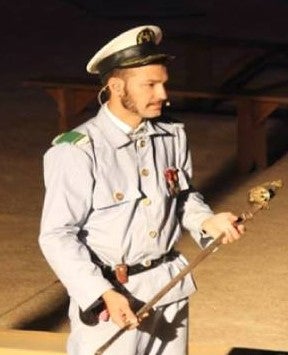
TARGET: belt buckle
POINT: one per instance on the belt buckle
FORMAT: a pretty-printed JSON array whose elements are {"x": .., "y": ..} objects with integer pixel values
[{"x": 121, "y": 273}]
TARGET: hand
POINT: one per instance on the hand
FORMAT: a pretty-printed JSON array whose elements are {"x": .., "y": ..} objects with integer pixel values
[
  {"x": 119, "y": 309},
  {"x": 225, "y": 223}
]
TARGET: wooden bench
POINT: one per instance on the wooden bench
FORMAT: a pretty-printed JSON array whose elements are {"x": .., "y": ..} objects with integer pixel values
[
  {"x": 252, "y": 113},
  {"x": 73, "y": 95}
]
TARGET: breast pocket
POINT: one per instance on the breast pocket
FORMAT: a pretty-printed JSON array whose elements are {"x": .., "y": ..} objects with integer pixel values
[{"x": 112, "y": 196}]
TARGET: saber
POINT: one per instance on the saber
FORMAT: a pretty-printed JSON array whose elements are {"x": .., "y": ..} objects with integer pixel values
[{"x": 259, "y": 197}]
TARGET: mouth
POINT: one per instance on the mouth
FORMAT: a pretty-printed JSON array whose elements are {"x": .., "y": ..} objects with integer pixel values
[{"x": 156, "y": 105}]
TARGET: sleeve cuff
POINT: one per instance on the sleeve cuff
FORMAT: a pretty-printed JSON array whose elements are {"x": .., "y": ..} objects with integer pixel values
[{"x": 205, "y": 239}]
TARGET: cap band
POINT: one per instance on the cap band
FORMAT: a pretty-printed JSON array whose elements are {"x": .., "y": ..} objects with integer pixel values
[{"x": 141, "y": 54}]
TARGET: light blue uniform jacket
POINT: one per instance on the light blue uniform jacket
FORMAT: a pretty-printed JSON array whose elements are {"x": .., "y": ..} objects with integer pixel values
[{"x": 114, "y": 190}]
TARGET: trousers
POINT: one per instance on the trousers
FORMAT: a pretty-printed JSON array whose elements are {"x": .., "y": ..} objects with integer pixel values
[{"x": 163, "y": 332}]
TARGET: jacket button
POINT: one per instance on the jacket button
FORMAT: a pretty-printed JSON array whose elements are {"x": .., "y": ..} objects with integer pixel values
[
  {"x": 118, "y": 196},
  {"x": 153, "y": 234},
  {"x": 146, "y": 262},
  {"x": 146, "y": 201},
  {"x": 145, "y": 172},
  {"x": 142, "y": 143}
]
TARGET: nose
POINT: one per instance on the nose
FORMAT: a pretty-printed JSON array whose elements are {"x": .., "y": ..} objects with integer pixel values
[{"x": 162, "y": 93}]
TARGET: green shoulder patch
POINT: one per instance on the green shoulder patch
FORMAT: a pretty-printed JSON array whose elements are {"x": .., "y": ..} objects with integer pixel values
[{"x": 71, "y": 137}]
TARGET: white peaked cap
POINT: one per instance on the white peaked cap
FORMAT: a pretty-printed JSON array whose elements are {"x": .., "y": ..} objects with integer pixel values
[{"x": 138, "y": 46}]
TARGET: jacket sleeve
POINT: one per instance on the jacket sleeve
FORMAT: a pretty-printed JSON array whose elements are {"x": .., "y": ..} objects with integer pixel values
[
  {"x": 192, "y": 210},
  {"x": 69, "y": 182}
]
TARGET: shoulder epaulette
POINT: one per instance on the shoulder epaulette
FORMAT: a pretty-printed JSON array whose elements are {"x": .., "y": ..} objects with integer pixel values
[{"x": 72, "y": 137}]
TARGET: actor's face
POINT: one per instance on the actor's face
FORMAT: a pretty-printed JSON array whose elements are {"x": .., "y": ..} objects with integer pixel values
[{"x": 144, "y": 92}]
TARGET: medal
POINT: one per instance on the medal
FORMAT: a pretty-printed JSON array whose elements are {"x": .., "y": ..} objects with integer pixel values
[{"x": 172, "y": 180}]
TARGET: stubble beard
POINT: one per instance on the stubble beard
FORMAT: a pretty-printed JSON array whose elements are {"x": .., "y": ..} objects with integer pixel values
[{"x": 129, "y": 104}]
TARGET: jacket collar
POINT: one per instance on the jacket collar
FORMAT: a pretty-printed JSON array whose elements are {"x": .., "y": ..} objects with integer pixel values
[{"x": 116, "y": 136}]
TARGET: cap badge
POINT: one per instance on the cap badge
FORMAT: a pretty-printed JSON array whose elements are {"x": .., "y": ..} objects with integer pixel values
[{"x": 146, "y": 35}]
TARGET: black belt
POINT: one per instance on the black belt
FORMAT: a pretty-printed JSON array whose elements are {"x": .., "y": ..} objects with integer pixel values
[
  {"x": 90, "y": 316},
  {"x": 134, "y": 269}
]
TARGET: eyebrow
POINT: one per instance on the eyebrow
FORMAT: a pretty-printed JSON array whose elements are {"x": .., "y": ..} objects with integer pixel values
[{"x": 156, "y": 81}]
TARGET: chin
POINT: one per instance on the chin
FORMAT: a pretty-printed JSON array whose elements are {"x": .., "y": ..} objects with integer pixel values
[{"x": 153, "y": 114}]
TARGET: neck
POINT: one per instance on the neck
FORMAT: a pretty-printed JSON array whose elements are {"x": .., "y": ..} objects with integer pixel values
[{"x": 130, "y": 118}]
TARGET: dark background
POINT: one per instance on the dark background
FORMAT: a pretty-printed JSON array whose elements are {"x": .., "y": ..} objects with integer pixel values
[{"x": 211, "y": 39}]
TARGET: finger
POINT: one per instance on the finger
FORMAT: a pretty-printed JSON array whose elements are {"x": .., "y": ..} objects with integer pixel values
[
  {"x": 241, "y": 228},
  {"x": 131, "y": 323},
  {"x": 224, "y": 240},
  {"x": 104, "y": 315},
  {"x": 230, "y": 217},
  {"x": 231, "y": 234},
  {"x": 234, "y": 234},
  {"x": 129, "y": 318}
]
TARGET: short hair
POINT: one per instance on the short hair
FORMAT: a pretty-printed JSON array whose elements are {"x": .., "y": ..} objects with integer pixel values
[{"x": 117, "y": 72}]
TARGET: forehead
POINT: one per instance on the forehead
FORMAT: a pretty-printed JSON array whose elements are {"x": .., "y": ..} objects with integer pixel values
[{"x": 153, "y": 72}]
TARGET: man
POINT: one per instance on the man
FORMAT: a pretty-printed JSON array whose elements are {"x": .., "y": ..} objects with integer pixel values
[{"x": 118, "y": 188}]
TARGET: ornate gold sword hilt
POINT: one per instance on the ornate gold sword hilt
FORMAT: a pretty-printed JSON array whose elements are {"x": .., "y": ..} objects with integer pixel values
[{"x": 259, "y": 197}]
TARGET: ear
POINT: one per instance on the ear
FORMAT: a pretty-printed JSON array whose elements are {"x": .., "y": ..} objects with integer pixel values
[{"x": 116, "y": 85}]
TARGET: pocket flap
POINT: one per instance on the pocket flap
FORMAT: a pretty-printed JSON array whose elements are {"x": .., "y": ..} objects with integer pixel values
[{"x": 105, "y": 196}]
